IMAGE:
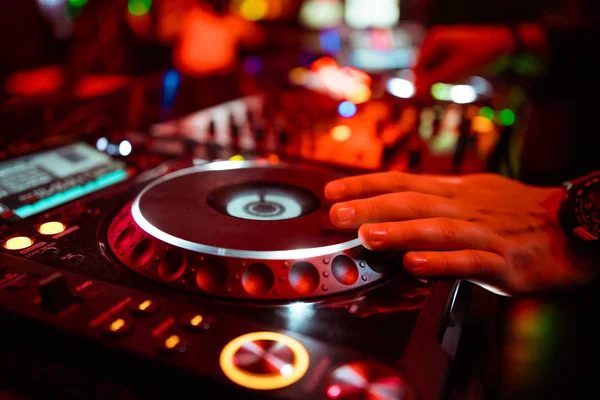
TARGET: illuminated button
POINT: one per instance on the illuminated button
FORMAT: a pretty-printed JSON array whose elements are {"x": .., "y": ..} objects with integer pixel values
[
  {"x": 145, "y": 307},
  {"x": 265, "y": 357},
  {"x": 172, "y": 344},
  {"x": 51, "y": 228},
  {"x": 18, "y": 243},
  {"x": 366, "y": 380},
  {"x": 264, "y": 360},
  {"x": 118, "y": 327},
  {"x": 197, "y": 322}
]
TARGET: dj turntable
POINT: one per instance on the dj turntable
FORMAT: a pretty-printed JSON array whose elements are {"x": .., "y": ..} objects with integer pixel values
[{"x": 213, "y": 278}]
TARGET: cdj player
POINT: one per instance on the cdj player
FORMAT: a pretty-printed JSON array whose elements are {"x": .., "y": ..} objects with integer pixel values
[{"x": 205, "y": 276}]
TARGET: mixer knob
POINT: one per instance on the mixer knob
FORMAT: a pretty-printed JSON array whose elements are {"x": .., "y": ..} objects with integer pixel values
[
  {"x": 264, "y": 360},
  {"x": 265, "y": 357},
  {"x": 55, "y": 293},
  {"x": 367, "y": 380}
]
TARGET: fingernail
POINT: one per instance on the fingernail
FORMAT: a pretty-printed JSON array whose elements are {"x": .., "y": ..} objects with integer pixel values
[
  {"x": 418, "y": 261},
  {"x": 345, "y": 214},
  {"x": 335, "y": 189},
  {"x": 377, "y": 236}
]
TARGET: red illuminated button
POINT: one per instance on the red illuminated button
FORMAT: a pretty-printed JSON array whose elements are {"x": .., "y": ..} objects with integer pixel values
[
  {"x": 363, "y": 380},
  {"x": 265, "y": 357}
]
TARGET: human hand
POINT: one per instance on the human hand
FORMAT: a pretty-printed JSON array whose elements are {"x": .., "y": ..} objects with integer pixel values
[
  {"x": 449, "y": 53},
  {"x": 491, "y": 230}
]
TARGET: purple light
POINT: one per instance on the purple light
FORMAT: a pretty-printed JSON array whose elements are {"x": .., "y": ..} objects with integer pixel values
[{"x": 253, "y": 65}]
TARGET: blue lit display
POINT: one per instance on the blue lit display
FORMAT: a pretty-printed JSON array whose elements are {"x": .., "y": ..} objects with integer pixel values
[
  {"x": 73, "y": 193},
  {"x": 347, "y": 109}
]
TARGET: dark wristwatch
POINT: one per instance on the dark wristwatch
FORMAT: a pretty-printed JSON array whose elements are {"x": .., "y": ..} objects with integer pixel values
[{"x": 579, "y": 213}]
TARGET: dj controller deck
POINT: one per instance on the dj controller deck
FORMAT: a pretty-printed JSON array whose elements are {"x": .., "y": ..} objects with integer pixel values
[{"x": 212, "y": 273}]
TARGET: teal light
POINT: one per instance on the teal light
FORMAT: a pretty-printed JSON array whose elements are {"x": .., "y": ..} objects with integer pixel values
[
  {"x": 73, "y": 193},
  {"x": 507, "y": 117}
]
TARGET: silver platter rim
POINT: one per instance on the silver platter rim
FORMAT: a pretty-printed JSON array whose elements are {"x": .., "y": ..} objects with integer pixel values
[{"x": 221, "y": 251}]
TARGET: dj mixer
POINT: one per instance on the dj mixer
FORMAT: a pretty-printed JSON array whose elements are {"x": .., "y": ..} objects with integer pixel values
[{"x": 194, "y": 255}]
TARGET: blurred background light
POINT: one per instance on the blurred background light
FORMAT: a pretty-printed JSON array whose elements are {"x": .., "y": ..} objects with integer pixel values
[
  {"x": 341, "y": 133},
  {"x": 139, "y": 7},
  {"x": 482, "y": 124},
  {"x": 319, "y": 14},
  {"x": 486, "y": 112},
  {"x": 359, "y": 94},
  {"x": 252, "y": 64},
  {"x": 125, "y": 148},
  {"x": 77, "y": 3},
  {"x": 362, "y": 14},
  {"x": 482, "y": 86},
  {"x": 171, "y": 82},
  {"x": 298, "y": 76},
  {"x": 347, "y": 109},
  {"x": 102, "y": 144},
  {"x": 254, "y": 10},
  {"x": 463, "y": 94},
  {"x": 330, "y": 41},
  {"x": 507, "y": 117},
  {"x": 441, "y": 91},
  {"x": 401, "y": 88}
]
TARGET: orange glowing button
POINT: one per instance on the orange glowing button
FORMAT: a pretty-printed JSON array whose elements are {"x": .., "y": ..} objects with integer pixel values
[
  {"x": 288, "y": 374},
  {"x": 145, "y": 305},
  {"x": 18, "y": 243},
  {"x": 51, "y": 228},
  {"x": 116, "y": 325},
  {"x": 172, "y": 341},
  {"x": 196, "y": 320}
]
